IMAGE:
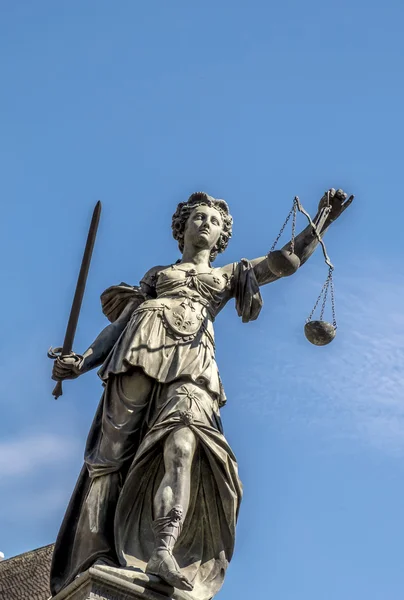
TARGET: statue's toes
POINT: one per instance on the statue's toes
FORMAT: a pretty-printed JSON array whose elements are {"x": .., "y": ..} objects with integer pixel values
[
  {"x": 164, "y": 565},
  {"x": 178, "y": 581}
]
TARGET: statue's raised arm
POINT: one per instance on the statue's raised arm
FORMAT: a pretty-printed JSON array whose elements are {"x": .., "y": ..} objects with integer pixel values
[{"x": 306, "y": 241}]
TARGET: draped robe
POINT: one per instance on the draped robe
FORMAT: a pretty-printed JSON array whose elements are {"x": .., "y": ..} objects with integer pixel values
[{"x": 170, "y": 337}]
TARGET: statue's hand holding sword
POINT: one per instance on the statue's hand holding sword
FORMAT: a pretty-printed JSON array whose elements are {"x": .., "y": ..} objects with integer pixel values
[{"x": 67, "y": 363}]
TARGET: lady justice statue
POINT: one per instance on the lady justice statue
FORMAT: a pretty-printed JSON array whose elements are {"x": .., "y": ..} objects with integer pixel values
[{"x": 159, "y": 490}]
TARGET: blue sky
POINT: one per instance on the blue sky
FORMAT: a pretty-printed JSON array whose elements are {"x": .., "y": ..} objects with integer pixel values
[{"x": 140, "y": 104}]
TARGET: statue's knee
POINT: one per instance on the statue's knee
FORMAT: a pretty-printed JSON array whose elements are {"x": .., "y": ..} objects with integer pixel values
[
  {"x": 181, "y": 446},
  {"x": 184, "y": 450}
]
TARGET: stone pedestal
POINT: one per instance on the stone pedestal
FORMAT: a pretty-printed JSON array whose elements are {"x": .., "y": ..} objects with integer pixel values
[{"x": 109, "y": 583}]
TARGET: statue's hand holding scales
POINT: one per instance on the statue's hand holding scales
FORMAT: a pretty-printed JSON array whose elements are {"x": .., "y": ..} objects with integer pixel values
[
  {"x": 286, "y": 261},
  {"x": 338, "y": 201}
]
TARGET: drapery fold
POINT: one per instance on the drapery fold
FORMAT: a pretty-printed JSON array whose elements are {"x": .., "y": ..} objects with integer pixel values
[{"x": 110, "y": 513}]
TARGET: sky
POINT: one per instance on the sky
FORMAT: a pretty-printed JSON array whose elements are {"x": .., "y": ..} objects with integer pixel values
[{"x": 139, "y": 104}]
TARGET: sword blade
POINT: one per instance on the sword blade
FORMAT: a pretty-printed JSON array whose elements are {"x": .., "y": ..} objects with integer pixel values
[
  {"x": 78, "y": 294},
  {"x": 81, "y": 282}
]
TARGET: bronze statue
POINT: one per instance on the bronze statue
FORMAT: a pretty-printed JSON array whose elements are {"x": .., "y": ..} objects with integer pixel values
[{"x": 159, "y": 489}]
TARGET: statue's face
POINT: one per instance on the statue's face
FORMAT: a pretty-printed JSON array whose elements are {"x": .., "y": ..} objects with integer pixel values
[{"x": 203, "y": 227}]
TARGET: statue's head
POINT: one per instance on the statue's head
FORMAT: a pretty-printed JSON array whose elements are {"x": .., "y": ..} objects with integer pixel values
[{"x": 205, "y": 221}]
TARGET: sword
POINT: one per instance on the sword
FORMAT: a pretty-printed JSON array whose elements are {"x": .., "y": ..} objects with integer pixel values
[{"x": 66, "y": 349}]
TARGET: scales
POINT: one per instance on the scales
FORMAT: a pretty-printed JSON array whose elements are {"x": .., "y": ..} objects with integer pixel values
[{"x": 284, "y": 263}]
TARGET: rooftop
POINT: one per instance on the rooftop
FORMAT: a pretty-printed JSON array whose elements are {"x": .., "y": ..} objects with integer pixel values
[{"x": 26, "y": 576}]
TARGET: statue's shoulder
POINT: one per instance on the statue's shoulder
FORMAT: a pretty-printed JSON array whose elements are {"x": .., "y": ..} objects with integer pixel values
[
  {"x": 150, "y": 277},
  {"x": 149, "y": 280},
  {"x": 226, "y": 270},
  {"x": 115, "y": 299}
]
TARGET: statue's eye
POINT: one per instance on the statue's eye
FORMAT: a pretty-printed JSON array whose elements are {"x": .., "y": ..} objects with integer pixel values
[{"x": 215, "y": 221}]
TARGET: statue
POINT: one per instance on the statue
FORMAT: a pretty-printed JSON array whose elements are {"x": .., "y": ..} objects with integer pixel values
[{"x": 159, "y": 490}]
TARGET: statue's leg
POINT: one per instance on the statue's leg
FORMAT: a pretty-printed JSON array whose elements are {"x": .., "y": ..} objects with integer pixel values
[
  {"x": 87, "y": 533},
  {"x": 125, "y": 401},
  {"x": 174, "y": 489},
  {"x": 171, "y": 505},
  {"x": 114, "y": 445}
]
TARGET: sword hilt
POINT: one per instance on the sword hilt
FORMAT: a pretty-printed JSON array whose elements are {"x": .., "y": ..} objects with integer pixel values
[
  {"x": 57, "y": 390},
  {"x": 54, "y": 354}
]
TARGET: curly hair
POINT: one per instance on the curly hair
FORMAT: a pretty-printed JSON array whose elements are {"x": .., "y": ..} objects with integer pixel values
[{"x": 183, "y": 211}]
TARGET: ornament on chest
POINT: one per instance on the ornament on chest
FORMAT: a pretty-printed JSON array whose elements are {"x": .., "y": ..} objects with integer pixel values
[{"x": 183, "y": 317}]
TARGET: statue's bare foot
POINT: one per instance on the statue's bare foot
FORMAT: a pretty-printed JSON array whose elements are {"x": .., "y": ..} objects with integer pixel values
[{"x": 164, "y": 565}]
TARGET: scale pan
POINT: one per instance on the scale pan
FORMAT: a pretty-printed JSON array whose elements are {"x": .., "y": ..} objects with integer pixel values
[
  {"x": 283, "y": 263},
  {"x": 319, "y": 333}
]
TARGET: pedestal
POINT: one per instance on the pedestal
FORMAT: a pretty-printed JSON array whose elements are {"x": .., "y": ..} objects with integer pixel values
[{"x": 109, "y": 583}]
